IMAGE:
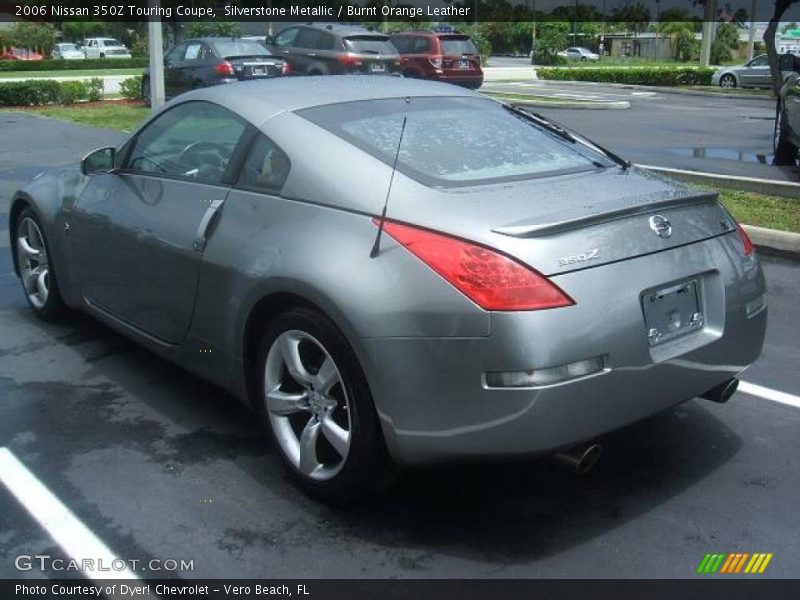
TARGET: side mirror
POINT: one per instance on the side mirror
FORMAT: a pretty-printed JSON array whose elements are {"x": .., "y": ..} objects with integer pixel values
[{"x": 98, "y": 161}]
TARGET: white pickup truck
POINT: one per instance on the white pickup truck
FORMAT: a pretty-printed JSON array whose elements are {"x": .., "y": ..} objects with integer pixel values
[{"x": 104, "y": 48}]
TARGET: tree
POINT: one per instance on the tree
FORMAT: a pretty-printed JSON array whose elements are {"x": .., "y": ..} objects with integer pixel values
[
  {"x": 681, "y": 34},
  {"x": 727, "y": 40},
  {"x": 213, "y": 28},
  {"x": 781, "y": 6},
  {"x": 35, "y": 36},
  {"x": 636, "y": 16}
]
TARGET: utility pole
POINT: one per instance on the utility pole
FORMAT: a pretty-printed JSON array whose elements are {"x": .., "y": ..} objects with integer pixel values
[
  {"x": 751, "y": 38},
  {"x": 533, "y": 33},
  {"x": 156, "y": 47},
  {"x": 709, "y": 27}
]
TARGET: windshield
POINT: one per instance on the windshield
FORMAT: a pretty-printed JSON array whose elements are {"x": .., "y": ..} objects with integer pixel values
[
  {"x": 366, "y": 44},
  {"x": 453, "y": 141},
  {"x": 68, "y": 46},
  {"x": 458, "y": 45},
  {"x": 228, "y": 48}
]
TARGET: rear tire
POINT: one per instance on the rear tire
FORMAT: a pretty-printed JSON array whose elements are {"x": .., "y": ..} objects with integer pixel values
[
  {"x": 316, "y": 400},
  {"x": 35, "y": 266},
  {"x": 785, "y": 151}
]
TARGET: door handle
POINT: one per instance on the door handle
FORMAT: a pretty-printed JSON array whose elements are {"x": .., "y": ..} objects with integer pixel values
[{"x": 209, "y": 218}]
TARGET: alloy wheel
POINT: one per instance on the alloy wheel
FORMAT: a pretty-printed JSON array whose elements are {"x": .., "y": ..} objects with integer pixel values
[
  {"x": 727, "y": 81},
  {"x": 308, "y": 405},
  {"x": 34, "y": 268}
]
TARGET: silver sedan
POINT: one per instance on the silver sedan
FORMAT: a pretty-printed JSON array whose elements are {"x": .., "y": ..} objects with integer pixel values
[{"x": 391, "y": 271}]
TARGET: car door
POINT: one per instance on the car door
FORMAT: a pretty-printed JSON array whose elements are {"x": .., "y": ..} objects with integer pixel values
[
  {"x": 283, "y": 45},
  {"x": 304, "y": 51},
  {"x": 137, "y": 235},
  {"x": 191, "y": 66},
  {"x": 756, "y": 72},
  {"x": 174, "y": 83},
  {"x": 92, "y": 49}
]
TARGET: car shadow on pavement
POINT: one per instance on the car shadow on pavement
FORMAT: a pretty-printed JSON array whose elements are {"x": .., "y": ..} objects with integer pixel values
[{"x": 498, "y": 513}]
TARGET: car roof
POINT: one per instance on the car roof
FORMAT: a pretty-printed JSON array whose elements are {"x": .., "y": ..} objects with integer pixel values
[
  {"x": 258, "y": 100},
  {"x": 342, "y": 29},
  {"x": 430, "y": 33}
]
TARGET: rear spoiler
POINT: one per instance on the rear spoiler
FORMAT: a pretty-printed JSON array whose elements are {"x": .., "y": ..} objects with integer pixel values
[{"x": 524, "y": 230}]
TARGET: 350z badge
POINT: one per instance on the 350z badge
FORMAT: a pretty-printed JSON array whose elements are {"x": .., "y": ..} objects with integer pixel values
[{"x": 592, "y": 254}]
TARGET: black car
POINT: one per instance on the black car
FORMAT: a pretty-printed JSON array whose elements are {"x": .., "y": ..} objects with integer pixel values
[
  {"x": 787, "y": 113},
  {"x": 332, "y": 49},
  {"x": 201, "y": 62}
]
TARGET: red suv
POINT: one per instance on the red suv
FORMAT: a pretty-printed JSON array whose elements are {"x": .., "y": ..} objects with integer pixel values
[{"x": 449, "y": 57}]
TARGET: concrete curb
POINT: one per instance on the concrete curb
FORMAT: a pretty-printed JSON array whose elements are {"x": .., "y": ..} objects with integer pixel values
[
  {"x": 772, "y": 239},
  {"x": 768, "y": 187},
  {"x": 662, "y": 89},
  {"x": 570, "y": 104},
  {"x": 783, "y": 242}
]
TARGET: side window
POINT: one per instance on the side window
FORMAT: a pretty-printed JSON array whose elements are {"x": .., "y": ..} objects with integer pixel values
[
  {"x": 193, "y": 51},
  {"x": 286, "y": 37},
  {"x": 326, "y": 41},
  {"x": 308, "y": 38},
  {"x": 193, "y": 141},
  {"x": 206, "y": 53},
  {"x": 761, "y": 61},
  {"x": 266, "y": 167},
  {"x": 176, "y": 54},
  {"x": 401, "y": 43}
]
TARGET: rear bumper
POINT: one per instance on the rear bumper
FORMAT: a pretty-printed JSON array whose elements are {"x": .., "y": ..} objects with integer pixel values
[
  {"x": 435, "y": 406},
  {"x": 473, "y": 81}
]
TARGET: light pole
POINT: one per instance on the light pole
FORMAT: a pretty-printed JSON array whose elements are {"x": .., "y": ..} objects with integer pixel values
[
  {"x": 156, "y": 46},
  {"x": 751, "y": 38}
]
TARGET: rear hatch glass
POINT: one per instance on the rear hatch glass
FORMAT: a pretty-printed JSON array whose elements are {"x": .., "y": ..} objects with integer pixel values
[
  {"x": 453, "y": 141},
  {"x": 234, "y": 48},
  {"x": 457, "y": 45},
  {"x": 369, "y": 44}
]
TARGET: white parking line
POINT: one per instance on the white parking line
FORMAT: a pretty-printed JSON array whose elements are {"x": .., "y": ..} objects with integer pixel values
[
  {"x": 65, "y": 528},
  {"x": 769, "y": 394}
]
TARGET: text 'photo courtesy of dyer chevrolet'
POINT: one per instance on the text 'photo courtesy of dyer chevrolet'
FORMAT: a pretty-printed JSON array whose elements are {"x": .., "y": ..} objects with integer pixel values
[{"x": 398, "y": 272}]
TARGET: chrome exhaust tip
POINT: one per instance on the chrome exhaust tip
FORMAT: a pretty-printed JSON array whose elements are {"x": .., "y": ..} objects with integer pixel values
[
  {"x": 579, "y": 459},
  {"x": 723, "y": 392}
]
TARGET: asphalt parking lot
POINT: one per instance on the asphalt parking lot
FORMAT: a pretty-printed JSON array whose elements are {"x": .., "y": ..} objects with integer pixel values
[{"x": 158, "y": 464}]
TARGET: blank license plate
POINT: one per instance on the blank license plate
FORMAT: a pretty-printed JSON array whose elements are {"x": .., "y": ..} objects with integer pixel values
[
  {"x": 672, "y": 312},
  {"x": 259, "y": 71},
  {"x": 464, "y": 64},
  {"x": 377, "y": 67}
]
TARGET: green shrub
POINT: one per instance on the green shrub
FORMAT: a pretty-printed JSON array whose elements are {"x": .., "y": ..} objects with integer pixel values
[
  {"x": 664, "y": 76},
  {"x": 131, "y": 88},
  {"x": 96, "y": 88},
  {"x": 71, "y": 92},
  {"x": 71, "y": 65},
  {"x": 49, "y": 91},
  {"x": 26, "y": 93}
]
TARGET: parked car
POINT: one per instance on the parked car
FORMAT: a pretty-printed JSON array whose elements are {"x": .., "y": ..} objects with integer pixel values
[
  {"x": 20, "y": 54},
  {"x": 755, "y": 73},
  {"x": 448, "y": 57},
  {"x": 104, "y": 48},
  {"x": 335, "y": 50},
  {"x": 579, "y": 53},
  {"x": 786, "y": 138},
  {"x": 67, "y": 51},
  {"x": 526, "y": 290},
  {"x": 201, "y": 62}
]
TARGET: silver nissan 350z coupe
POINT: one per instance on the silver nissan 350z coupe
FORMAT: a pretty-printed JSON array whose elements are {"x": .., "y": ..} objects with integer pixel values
[{"x": 526, "y": 291}]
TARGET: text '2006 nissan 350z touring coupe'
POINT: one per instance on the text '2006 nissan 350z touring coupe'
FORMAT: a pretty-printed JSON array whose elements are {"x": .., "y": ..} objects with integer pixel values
[{"x": 393, "y": 271}]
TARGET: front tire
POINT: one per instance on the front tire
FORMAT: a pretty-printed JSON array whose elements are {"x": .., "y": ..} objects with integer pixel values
[
  {"x": 727, "y": 81},
  {"x": 785, "y": 151},
  {"x": 320, "y": 410},
  {"x": 35, "y": 266}
]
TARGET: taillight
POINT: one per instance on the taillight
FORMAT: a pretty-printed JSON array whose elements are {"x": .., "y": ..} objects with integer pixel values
[
  {"x": 489, "y": 278},
  {"x": 749, "y": 247},
  {"x": 436, "y": 61},
  {"x": 349, "y": 60},
  {"x": 286, "y": 69},
  {"x": 224, "y": 68}
]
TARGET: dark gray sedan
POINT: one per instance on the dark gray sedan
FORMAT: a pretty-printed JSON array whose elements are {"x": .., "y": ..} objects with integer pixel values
[{"x": 397, "y": 271}]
